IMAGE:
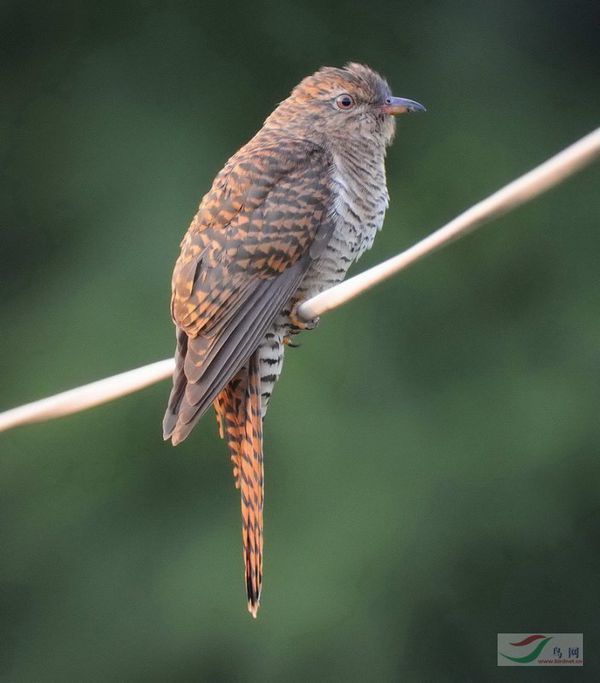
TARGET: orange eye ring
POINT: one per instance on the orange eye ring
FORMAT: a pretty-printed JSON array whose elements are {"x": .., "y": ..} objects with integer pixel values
[{"x": 344, "y": 102}]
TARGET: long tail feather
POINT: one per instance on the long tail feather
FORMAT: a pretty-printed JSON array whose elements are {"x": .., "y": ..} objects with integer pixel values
[
  {"x": 229, "y": 406},
  {"x": 238, "y": 408}
]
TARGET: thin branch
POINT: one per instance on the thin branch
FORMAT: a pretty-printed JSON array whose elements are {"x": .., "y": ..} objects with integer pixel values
[
  {"x": 88, "y": 395},
  {"x": 524, "y": 189}
]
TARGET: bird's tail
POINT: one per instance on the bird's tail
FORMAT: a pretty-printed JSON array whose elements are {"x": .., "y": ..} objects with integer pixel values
[{"x": 238, "y": 409}]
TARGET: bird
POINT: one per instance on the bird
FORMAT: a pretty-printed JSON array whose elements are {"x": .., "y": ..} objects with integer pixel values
[{"x": 284, "y": 220}]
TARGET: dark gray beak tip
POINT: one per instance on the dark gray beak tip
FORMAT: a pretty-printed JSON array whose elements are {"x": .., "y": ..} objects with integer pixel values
[
  {"x": 401, "y": 105},
  {"x": 412, "y": 106}
]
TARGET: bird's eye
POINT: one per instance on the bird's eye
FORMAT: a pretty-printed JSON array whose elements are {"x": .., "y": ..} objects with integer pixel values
[{"x": 344, "y": 102}]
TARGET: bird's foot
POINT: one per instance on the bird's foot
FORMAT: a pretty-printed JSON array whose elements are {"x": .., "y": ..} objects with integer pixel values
[{"x": 301, "y": 324}]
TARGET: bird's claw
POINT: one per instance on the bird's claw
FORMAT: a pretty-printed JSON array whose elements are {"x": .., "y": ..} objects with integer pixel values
[
  {"x": 288, "y": 342},
  {"x": 301, "y": 324}
]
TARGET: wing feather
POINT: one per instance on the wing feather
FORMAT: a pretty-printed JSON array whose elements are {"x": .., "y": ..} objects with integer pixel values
[{"x": 266, "y": 217}]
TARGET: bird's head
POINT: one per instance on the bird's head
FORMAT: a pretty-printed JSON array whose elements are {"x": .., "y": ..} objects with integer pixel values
[{"x": 353, "y": 104}]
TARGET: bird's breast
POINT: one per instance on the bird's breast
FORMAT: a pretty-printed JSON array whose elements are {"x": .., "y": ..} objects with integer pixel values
[{"x": 359, "y": 202}]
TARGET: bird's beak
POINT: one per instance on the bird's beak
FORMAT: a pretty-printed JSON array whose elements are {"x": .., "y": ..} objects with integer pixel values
[{"x": 400, "y": 105}]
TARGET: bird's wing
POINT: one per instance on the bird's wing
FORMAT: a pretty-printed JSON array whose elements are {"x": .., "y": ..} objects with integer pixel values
[{"x": 267, "y": 215}]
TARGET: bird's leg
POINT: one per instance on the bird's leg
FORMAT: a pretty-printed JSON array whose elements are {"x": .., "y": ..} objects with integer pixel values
[{"x": 299, "y": 323}]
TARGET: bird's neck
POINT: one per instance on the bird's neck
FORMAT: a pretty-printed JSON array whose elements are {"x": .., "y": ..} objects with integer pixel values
[{"x": 364, "y": 156}]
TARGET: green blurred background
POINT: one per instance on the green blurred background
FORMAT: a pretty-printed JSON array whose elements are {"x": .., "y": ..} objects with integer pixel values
[{"x": 432, "y": 451}]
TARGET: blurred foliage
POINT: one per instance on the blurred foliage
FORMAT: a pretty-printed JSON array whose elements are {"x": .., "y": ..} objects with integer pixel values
[{"x": 432, "y": 464}]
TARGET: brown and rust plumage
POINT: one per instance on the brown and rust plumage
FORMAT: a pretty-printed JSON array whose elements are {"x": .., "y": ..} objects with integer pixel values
[
  {"x": 238, "y": 408},
  {"x": 284, "y": 219}
]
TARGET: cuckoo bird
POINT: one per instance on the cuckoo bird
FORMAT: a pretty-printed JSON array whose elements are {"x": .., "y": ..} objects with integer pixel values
[{"x": 284, "y": 220}]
